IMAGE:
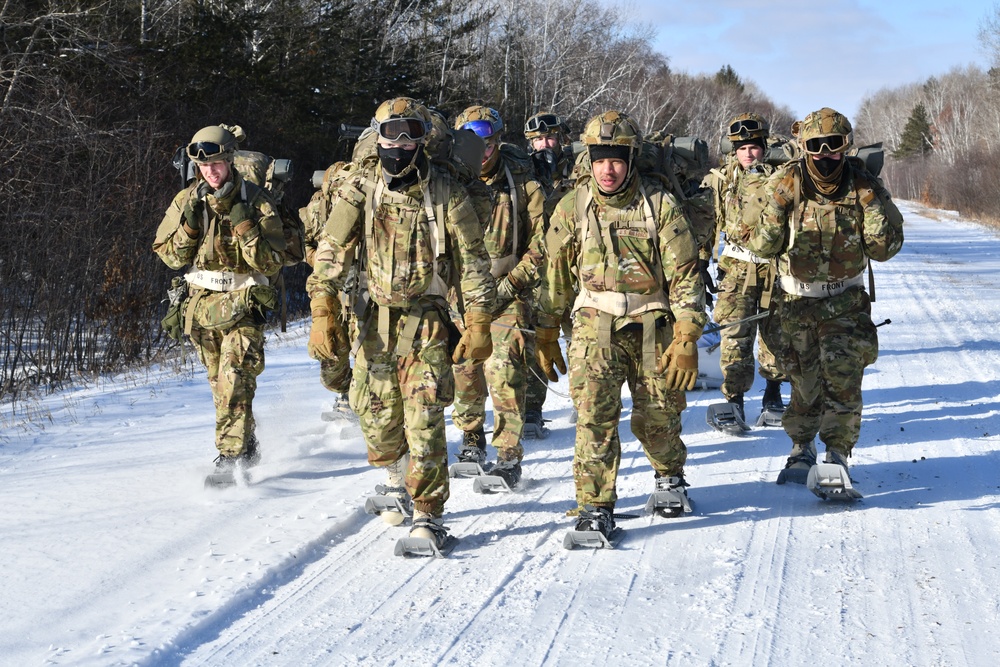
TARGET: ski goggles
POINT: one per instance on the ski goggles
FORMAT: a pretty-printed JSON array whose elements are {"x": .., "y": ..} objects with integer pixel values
[
  {"x": 399, "y": 129},
  {"x": 205, "y": 151},
  {"x": 484, "y": 128},
  {"x": 745, "y": 128},
  {"x": 543, "y": 123},
  {"x": 830, "y": 144}
]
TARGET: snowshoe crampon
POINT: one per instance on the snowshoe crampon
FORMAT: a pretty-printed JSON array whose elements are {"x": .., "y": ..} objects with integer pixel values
[
  {"x": 831, "y": 481},
  {"x": 390, "y": 507},
  {"x": 770, "y": 418},
  {"x": 726, "y": 417},
  {"x": 503, "y": 478},
  {"x": 220, "y": 480},
  {"x": 668, "y": 502},
  {"x": 225, "y": 474},
  {"x": 466, "y": 469}
]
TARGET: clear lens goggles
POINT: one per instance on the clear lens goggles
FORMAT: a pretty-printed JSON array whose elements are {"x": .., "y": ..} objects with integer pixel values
[
  {"x": 399, "y": 129},
  {"x": 483, "y": 128},
  {"x": 542, "y": 123},
  {"x": 830, "y": 144},
  {"x": 745, "y": 128},
  {"x": 205, "y": 150}
]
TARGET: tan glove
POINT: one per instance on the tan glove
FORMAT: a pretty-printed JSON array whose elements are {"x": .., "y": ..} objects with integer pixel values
[
  {"x": 681, "y": 358},
  {"x": 548, "y": 353},
  {"x": 476, "y": 343},
  {"x": 327, "y": 338}
]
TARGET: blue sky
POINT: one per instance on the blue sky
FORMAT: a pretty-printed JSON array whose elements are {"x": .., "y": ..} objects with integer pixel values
[{"x": 806, "y": 54}]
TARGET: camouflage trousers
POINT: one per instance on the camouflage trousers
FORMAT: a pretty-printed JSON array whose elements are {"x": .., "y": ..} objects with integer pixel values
[
  {"x": 826, "y": 345},
  {"x": 505, "y": 374},
  {"x": 234, "y": 358},
  {"x": 596, "y": 376},
  {"x": 735, "y": 301},
  {"x": 400, "y": 401}
]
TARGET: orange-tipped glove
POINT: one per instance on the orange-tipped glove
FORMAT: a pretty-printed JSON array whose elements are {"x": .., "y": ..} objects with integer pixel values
[
  {"x": 476, "y": 343},
  {"x": 548, "y": 353},
  {"x": 681, "y": 358},
  {"x": 327, "y": 338}
]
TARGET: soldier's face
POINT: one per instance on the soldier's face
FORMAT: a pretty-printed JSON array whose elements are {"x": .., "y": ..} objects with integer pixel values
[
  {"x": 405, "y": 145},
  {"x": 747, "y": 154},
  {"x": 215, "y": 173},
  {"x": 831, "y": 156},
  {"x": 610, "y": 173},
  {"x": 541, "y": 143}
]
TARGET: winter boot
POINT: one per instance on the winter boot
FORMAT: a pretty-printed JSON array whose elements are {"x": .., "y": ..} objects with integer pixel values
[
  {"x": 396, "y": 488},
  {"x": 772, "y": 397},
  {"x": 801, "y": 459},
  {"x": 600, "y": 519},
  {"x": 509, "y": 471},
  {"x": 473, "y": 447},
  {"x": 737, "y": 400},
  {"x": 225, "y": 465},
  {"x": 251, "y": 452},
  {"x": 428, "y": 527},
  {"x": 534, "y": 425}
]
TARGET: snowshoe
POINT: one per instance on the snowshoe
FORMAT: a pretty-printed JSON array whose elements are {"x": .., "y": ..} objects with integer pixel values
[
  {"x": 727, "y": 418},
  {"x": 428, "y": 538},
  {"x": 595, "y": 529},
  {"x": 225, "y": 473},
  {"x": 340, "y": 413},
  {"x": 471, "y": 456},
  {"x": 392, "y": 503},
  {"x": 830, "y": 480},
  {"x": 251, "y": 453},
  {"x": 669, "y": 499},
  {"x": 709, "y": 370},
  {"x": 534, "y": 426},
  {"x": 772, "y": 407},
  {"x": 504, "y": 476},
  {"x": 800, "y": 462}
]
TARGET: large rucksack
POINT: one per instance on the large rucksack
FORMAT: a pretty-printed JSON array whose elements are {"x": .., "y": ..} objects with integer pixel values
[{"x": 272, "y": 175}]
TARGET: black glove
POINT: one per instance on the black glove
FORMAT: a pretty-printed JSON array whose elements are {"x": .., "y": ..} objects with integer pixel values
[
  {"x": 720, "y": 274},
  {"x": 703, "y": 265}
]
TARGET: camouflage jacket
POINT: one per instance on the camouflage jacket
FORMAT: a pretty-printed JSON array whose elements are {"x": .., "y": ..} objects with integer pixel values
[
  {"x": 736, "y": 193},
  {"x": 238, "y": 251},
  {"x": 399, "y": 254},
  {"x": 824, "y": 240},
  {"x": 608, "y": 247},
  {"x": 519, "y": 263}
]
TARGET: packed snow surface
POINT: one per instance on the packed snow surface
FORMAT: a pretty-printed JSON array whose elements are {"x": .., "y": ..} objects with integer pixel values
[{"x": 115, "y": 554}]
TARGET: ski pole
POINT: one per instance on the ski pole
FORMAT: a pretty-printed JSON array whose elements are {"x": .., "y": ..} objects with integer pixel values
[{"x": 752, "y": 318}]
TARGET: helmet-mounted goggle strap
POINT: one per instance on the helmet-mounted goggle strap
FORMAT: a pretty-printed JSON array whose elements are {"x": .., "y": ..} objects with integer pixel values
[
  {"x": 205, "y": 150},
  {"x": 744, "y": 128},
  {"x": 829, "y": 144},
  {"x": 483, "y": 128},
  {"x": 401, "y": 129}
]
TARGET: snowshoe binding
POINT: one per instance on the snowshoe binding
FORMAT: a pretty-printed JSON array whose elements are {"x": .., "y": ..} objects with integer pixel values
[
  {"x": 428, "y": 538},
  {"x": 391, "y": 501},
  {"x": 772, "y": 407},
  {"x": 471, "y": 456},
  {"x": 595, "y": 529},
  {"x": 800, "y": 462},
  {"x": 503, "y": 477},
  {"x": 225, "y": 472},
  {"x": 727, "y": 417},
  {"x": 534, "y": 426},
  {"x": 669, "y": 499},
  {"x": 830, "y": 480},
  {"x": 340, "y": 414}
]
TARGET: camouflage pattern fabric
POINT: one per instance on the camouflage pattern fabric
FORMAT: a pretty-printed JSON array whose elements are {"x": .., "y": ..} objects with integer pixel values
[
  {"x": 596, "y": 376},
  {"x": 400, "y": 399},
  {"x": 234, "y": 358},
  {"x": 400, "y": 402},
  {"x": 826, "y": 341},
  {"x": 596, "y": 372},
  {"x": 735, "y": 192},
  {"x": 233, "y": 355},
  {"x": 506, "y": 371}
]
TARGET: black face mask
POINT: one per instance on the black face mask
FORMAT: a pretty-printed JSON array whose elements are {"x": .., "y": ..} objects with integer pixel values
[
  {"x": 395, "y": 160},
  {"x": 545, "y": 162},
  {"x": 827, "y": 166}
]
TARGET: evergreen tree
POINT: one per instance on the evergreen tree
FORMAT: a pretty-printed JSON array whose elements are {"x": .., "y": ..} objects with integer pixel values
[
  {"x": 916, "y": 137},
  {"x": 727, "y": 76}
]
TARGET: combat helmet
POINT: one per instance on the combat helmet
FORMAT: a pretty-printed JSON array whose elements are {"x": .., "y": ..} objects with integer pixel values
[
  {"x": 484, "y": 121},
  {"x": 543, "y": 125},
  {"x": 747, "y": 126},
  {"x": 212, "y": 144},
  {"x": 402, "y": 119},
  {"x": 612, "y": 130},
  {"x": 824, "y": 131}
]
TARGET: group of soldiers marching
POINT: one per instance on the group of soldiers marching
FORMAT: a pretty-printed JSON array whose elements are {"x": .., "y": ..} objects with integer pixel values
[{"x": 448, "y": 265}]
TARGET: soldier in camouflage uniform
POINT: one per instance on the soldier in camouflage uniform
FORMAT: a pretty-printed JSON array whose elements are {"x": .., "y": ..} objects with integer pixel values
[
  {"x": 513, "y": 238},
  {"x": 229, "y": 232},
  {"x": 419, "y": 234},
  {"x": 745, "y": 278},
  {"x": 824, "y": 218},
  {"x": 623, "y": 240},
  {"x": 552, "y": 157}
]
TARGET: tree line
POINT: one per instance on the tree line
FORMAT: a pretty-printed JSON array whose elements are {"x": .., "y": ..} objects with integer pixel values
[{"x": 96, "y": 95}]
